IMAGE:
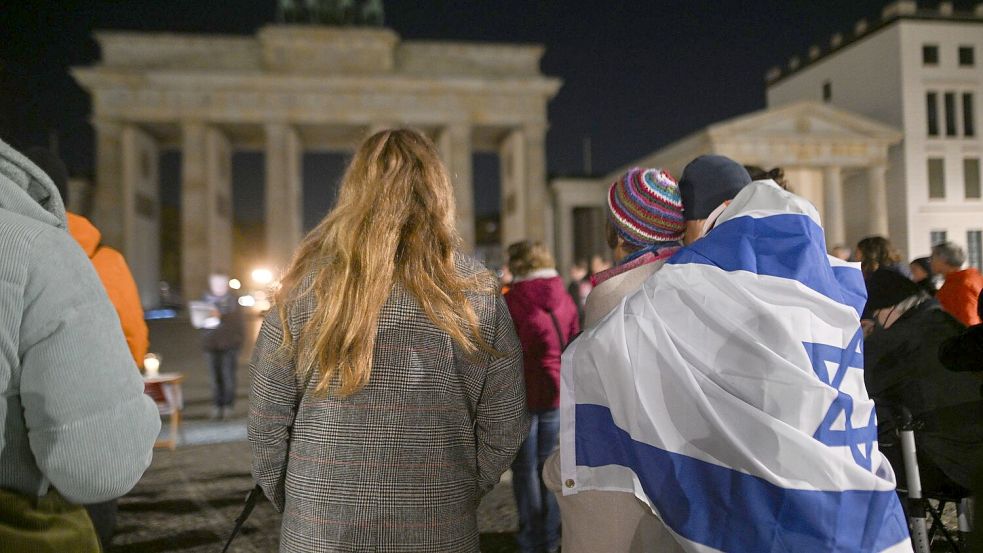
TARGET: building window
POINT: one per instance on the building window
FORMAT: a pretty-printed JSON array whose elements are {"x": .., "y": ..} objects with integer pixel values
[
  {"x": 966, "y": 56},
  {"x": 968, "y": 128},
  {"x": 932, "y": 109},
  {"x": 827, "y": 91},
  {"x": 974, "y": 248},
  {"x": 971, "y": 176},
  {"x": 936, "y": 178},
  {"x": 950, "y": 114},
  {"x": 930, "y": 54},
  {"x": 937, "y": 237}
]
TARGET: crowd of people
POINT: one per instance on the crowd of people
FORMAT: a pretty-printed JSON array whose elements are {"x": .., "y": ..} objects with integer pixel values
[{"x": 393, "y": 383}]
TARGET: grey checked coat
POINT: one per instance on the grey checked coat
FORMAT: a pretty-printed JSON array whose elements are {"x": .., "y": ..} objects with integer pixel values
[{"x": 401, "y": 465}]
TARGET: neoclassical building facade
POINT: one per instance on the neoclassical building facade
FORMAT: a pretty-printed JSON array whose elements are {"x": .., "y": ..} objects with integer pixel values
[
  {"x": 834, "y": 158},
  {"x": 286, "y": 90}
]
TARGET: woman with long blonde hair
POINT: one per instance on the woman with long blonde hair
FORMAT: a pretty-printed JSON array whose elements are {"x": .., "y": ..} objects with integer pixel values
[{"x": 387, "y": 393}]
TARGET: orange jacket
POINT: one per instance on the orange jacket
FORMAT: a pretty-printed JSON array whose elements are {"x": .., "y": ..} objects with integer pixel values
[
  {"x": 960, "y": 294},
  {"x": 118, "y": 281}
]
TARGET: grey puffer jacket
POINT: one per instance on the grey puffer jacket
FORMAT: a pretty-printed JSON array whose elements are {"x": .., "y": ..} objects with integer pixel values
[{"x": 73, "y": 413}]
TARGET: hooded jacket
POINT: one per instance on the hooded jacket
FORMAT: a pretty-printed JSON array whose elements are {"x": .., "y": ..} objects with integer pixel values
[
  {"x": 530, "y": 302},
  {"x": 118, "y": 282},
  {"x": 74, "y": 415}
]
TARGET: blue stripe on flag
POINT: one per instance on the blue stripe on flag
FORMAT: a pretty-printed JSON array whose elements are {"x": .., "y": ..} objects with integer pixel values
[
  {"x": 733, "y": 511},
  {"x": 786, "y": 245}
]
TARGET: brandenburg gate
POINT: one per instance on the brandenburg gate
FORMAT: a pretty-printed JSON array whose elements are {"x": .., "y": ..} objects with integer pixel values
[{"x": 288, "y": 89}]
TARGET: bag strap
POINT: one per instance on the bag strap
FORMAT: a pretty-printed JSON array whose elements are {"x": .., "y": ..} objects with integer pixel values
[
  {"x": 251, "y": 500},
  {"x": 257, "y": 491},
  {"x": 559, "y": 333}
]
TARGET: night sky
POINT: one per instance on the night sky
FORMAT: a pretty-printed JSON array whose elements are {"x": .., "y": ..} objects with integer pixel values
[{"x": 637, "y": 74}]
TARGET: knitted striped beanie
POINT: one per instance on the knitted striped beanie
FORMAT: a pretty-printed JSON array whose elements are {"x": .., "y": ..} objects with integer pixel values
[{"x": 646, "y": 207}]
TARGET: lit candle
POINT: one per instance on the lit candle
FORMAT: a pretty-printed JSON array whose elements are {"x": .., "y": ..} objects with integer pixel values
[{"x": 151, "y": 363}]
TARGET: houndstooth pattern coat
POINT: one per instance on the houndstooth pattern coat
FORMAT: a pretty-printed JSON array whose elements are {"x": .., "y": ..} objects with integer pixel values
[{"x": 401, "y": 465}]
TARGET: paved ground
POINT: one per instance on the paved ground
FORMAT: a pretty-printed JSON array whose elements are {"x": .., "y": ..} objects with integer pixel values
[{"x": 187, "y": 500}]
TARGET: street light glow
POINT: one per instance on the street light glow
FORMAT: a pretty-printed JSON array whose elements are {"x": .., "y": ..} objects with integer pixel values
[
  {"x": 235, "y": 284},
  {"x": 262, "y": 276},
  {"x": 247, "y": 301}
]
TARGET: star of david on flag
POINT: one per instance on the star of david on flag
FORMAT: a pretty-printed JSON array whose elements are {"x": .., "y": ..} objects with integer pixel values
[{"x": 831, "y": 365}]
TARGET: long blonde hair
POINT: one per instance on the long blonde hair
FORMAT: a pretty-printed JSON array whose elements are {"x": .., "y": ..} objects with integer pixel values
[{"x": 393, "y": 223}]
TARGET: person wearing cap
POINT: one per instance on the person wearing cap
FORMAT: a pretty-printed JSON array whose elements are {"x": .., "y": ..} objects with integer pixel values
[
  {"x": 645, "y": 227},
  {"x": 902, "y": 368},
  {"x": 708, "y": 184}
]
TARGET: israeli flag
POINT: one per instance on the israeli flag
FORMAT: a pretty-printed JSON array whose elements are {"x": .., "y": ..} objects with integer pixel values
[{"x": 728, "y": 393}]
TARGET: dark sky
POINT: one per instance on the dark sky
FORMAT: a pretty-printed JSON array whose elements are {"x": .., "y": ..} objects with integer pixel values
[{"x": 637, "y": 74}]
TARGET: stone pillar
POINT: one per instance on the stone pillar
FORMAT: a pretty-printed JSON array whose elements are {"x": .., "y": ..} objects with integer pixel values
[
  {"x": 877, "y": 199},
  {"x": 195, "y": 243},
  {"x": 454, "y": 142},
  {"x": 564, "y": 234},
  {"x": 218, "y": 161},
  {"x": 284, "y": 193},
  {"x": 140, "y": 211},
  {"x": 833, "y": 220},
  {"x": 513, "y": 178},
  {"x": 109, "y": 194},
  {"x": 538, "y": 209}
]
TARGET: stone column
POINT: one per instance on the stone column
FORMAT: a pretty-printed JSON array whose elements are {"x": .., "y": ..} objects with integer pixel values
[
  {"x": 195, "y": 213},
  {"x": 140, "y": 211},
  {"x": 218, "y": 161},
  {"x": 877, "y": 199},
  {"x": 513, "y": 178},
  {"x": 109, "y": 194},
  {"x": 833, "y": 220},
  {"x": 454, "y": 142},
  {"x": 538, "y": 209},
  {"x": 284, "y": 193},
  {"x": 564, "y": 233}
]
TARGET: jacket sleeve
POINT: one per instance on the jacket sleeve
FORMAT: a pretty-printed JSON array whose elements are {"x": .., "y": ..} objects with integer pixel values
[
  {"x": 965, "y": 351},
  {"x": 272, "y": 407},
  {"x": 501, "y": 422},
  {"x": 90, "y": 426},
  {"x": 122, "y": 290}
]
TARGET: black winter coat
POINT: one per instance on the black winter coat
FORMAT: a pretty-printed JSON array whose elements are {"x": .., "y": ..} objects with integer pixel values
[
  {"x": 228, "y": 335},
  {"x": 901, "y": 366}
]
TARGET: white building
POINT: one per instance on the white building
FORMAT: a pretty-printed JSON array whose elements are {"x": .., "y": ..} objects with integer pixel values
[
  {"x": 880, "y": 129},
  {"x": 920, "y": 71}
]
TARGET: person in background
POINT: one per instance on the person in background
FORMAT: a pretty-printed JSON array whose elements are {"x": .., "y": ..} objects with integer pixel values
[
  {"x": 965, "y": 352},
  {"x": 644, "y": 227},
  {"x": 579, "y": 287},
  {"x": 118, "y": 282},
  {"x": 707, "y": 184},
  {"x": 841, "y": 252},
  {"x": 413, "y": 405},
  {"x": 902, "y": 367},
  {"x": 78, "y": 428},
  {"x": 959, "y": 294},
  {"x": 109, "y": 264},
  {"x": 776, "y": 174},
  {"x": 222, "y": 341},
  {"x": 922, "y": 275},
  {"x": 546, "y": 321},
  {"x": 876, "y": 252}
]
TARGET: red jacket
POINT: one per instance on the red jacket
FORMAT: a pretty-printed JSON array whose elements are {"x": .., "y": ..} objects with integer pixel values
[
  {"x": 960, "y": 294},
  {"x": 530, "y": 303}
]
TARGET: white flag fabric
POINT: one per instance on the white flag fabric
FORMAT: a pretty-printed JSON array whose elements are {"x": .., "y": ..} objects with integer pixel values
[{"x": 728, "y": 393}]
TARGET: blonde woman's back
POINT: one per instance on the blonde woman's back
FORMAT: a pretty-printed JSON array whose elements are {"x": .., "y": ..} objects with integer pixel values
[{"x": 401, "y": 464}]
